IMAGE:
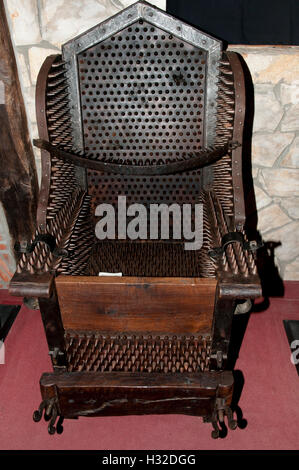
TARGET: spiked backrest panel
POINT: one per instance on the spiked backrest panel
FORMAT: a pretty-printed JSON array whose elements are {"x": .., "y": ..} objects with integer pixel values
[
  {"x": 143, "y": 54},
  {"x": 143, "y": 94},
  {"x": 143, "y": 88}
]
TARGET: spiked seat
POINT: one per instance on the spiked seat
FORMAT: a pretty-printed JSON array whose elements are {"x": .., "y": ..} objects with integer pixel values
[{"x": 147, "y": 107}]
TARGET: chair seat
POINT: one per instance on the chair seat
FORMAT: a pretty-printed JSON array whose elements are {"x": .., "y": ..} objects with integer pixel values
[{"x": 145, "y": 258}]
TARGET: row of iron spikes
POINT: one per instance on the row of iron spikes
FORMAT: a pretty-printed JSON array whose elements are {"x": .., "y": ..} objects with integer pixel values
[
  {"x": 234, "y": 253},
  {"x": 128, "y": 356},
  {"x": 78, "y": 337},
  {"x": 222, "y": 168},
  {"x": 61, "y": 186},
  {"x": 129, "y": 368},
  {"x": 80, "y": 241},
  {"x": 136, "y": 265},
  {"x": 41, "y": 258},
  {"x": 217, "y": 239},
  {"x": 125, "y": 359},
  {"x": 149, "y": 355}
]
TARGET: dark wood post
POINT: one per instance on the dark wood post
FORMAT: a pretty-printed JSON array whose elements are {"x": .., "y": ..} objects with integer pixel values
[{"x": 18, "y": 178}]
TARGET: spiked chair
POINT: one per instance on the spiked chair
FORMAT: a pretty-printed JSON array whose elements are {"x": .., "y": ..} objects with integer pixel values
[{"x": 147, "y": 107}]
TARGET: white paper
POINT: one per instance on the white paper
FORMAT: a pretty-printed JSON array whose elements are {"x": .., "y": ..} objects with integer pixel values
[{"x": 110, "y": 274}]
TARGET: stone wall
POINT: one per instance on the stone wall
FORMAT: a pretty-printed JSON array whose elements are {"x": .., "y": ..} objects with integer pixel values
[
  {"x": 39, "y": 27},
  {"x": 275, "y": 148}
]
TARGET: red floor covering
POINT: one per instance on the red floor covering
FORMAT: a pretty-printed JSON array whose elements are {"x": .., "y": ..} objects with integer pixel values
[{"x": 269, "y": 400}]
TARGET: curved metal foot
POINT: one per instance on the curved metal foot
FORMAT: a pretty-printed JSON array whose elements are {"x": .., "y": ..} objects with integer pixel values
[
  {"x": 216, "y": 431},
  {"x": 232, "y": 423},
  {"x": 218, "y": 419},
  {"x": 50, "y": 408},
  {"x": 37, "y": 415},
  {"x": 59, "y": 427}
]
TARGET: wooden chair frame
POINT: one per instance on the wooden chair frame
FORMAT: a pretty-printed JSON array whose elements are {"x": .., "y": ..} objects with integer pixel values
[{"x": 86, "y": 317}]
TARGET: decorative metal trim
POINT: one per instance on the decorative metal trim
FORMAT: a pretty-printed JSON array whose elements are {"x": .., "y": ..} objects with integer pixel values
[{"x": 120, "y": 21}]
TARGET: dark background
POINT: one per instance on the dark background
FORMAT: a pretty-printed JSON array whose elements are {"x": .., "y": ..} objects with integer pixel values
[{"x": 242, "y": 21}]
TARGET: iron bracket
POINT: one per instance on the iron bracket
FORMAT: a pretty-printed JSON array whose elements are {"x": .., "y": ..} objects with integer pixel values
[
  {"x": 55, "y": 352},
  {"x": 47, "y": 238},
  {"x": 234, "y": 237}
]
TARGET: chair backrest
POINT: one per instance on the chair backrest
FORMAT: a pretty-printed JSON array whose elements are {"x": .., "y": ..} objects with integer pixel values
[{"x": 143, "y": 86}]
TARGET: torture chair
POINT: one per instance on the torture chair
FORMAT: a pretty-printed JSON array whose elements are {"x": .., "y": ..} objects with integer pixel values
[{"x": 147, "y": 107}]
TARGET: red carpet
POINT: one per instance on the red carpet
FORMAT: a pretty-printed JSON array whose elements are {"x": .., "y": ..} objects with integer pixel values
[{"x": 269, "y": 400}]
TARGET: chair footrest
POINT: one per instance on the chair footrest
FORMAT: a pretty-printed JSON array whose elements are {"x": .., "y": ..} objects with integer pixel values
[{"x": 113, "y": 393}]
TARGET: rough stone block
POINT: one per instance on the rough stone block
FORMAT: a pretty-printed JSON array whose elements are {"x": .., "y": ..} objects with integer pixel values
[
  {"x": 268, "y": 111},
  {"x": 62, "y": 21},
  {"x": 261, "y": 198},
  {"x": 290, "y": 121},
  {"x": 29, "y": 99},
  {"x": 291, "y": 271},
  {"x": 23, "y": 70},
  {"x": 291, "y": 205},
  {"x": 289, "y": 93},
  {"x": 281, "y": 182},
  {"x": 37, "y": 55},
  {"x": 270, "y": 64},
  {"x": 271, "y": 217},
  {"x": 24, "y": 23},
  {"x": 291, "y": 159},
  {"x": 288, "y": 236},
  {"x": 266, "y": 148}
]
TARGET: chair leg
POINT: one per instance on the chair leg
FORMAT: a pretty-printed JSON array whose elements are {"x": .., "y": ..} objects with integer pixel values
[
  {"x": 232, "y": 423},
  {"x": 50, "y": 408},
  {"x": 216, "y": 431},
  {"x": 218, "y": 418}
]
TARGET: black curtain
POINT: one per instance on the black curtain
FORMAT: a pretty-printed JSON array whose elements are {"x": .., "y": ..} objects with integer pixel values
[{"x": 242, "y": 21}]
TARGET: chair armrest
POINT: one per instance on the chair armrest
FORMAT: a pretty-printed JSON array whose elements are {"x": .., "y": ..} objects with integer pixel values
[{"x": 38, "y": 266}]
